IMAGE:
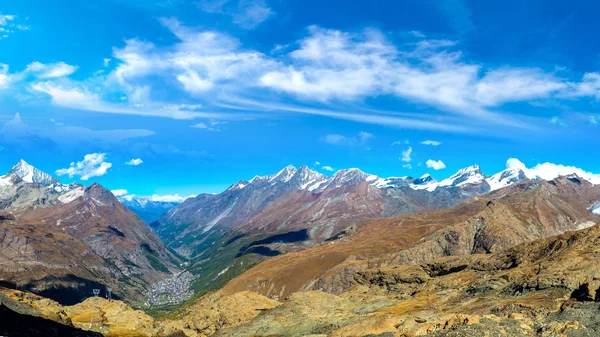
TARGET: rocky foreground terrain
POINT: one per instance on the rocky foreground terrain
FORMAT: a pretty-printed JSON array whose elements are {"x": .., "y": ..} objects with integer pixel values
[{"x": 548, "y": 287}]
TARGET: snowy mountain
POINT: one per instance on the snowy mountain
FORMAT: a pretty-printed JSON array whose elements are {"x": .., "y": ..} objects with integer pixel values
[
  {"x": 305, "y": 197},
  {"x": 30, "y": 174}
]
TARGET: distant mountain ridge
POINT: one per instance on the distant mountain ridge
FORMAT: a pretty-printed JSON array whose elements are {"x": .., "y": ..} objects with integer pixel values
[{"x": 147, "y": 207}]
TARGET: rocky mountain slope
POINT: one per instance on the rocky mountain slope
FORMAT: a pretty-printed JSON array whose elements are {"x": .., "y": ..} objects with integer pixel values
[
  {"x": 520, "y": 261},
  {"x": 296, "y": 209},
  {"x": 487, "y": 224},
  {"x": 63, "y": 242}
]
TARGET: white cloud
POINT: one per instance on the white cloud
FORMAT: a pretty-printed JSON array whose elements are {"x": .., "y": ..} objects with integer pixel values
[
  {"x": 317, "y": 163},
  {"x": 135, "y": 162},
  {"x": 326, "y": 67},
  {"x": 435, "y": 164},
  {"x": 406, "y": 155},
  {"x": 431, "y": 142},
  {"x": 514, "y": 163},
  {"x": 106, "y": 61},
  {"x": 328, "y": 168},
  {"x": 119, "y": 192},
  {"x": 78, "y": 98},
  {"x": 337, "y": 65},
  {"x": 92, "y": 165},
  {"x": 407, "y": 166},
  {"x": 549, "y": 171},
  {"x": 4, "y": 19},
  {"x": 251, "y": 13},
  {"x": 333, "y": 64},
  {"x": 200, "y": 126},
  {"x": 54, "y": 70},
  {"x": 212, "y": 126},
  {"x": 4, "y": 77}
]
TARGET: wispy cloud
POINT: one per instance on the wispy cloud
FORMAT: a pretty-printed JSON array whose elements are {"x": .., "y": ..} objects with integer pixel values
[
  {"x": 336, "y": 139},
  {"x": 328, "y": 168},
  {"x": 329, "y": 73},
  {"x": 247, "y": 14},
  {"x": 406, "y": 155},
  {"x": 9, "y": 24},
  {"x": 431, "y": 142},
  {"x": 45, "y": 71},
  {"x": 92, "y": 165},
  {"x": 209, "y": 126}
]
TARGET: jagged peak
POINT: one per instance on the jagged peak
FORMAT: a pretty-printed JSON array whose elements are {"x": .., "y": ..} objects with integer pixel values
[
  {"x": 469, "y": 169},
  {"x": 353, "y": 171},
  {"x": 30, "y": 174},
  {"x": 285, "y": 174}
]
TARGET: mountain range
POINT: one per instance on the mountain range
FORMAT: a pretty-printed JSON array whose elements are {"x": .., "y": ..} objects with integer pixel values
[
  {"x": 62, "y": 240},
  {"x": 299, "y": 208},
  {"x": 298, "y": 253}
]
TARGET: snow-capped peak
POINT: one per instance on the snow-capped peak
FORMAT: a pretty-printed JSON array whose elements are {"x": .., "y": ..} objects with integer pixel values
[
  {"x": 284, "y": 175},
  {"x": 30, "y": 174},
  {"x": 465, "y": 176},
  {"x": 305, "y": 178},
  {"x": 505, "y": 178}
]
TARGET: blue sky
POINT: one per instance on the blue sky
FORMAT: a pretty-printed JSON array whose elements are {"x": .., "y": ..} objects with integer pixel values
[{"x": 208, "y": 92}]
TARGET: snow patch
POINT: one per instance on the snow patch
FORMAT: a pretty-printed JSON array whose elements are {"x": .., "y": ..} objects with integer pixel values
[{"x": 71, "y": 195}]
